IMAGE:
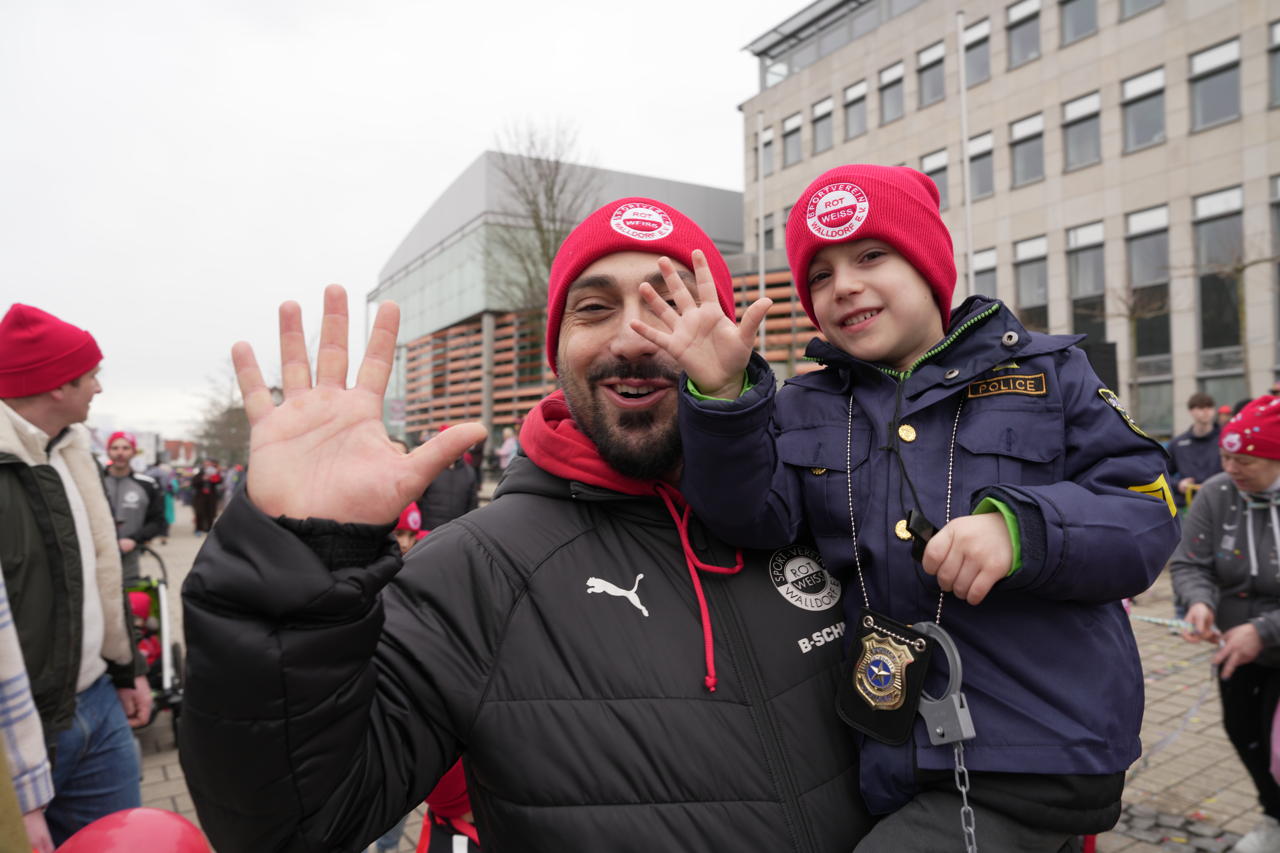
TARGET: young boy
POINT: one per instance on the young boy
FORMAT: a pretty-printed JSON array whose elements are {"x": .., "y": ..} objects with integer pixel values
[{"x": 1050, "y": 505}]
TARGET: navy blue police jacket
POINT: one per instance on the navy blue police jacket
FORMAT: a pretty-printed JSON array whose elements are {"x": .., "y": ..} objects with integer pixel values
[{"x": 1051, "y": 670}]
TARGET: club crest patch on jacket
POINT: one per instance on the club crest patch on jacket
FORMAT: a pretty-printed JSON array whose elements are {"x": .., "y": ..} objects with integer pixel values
[{"x": 800, "y": 577}]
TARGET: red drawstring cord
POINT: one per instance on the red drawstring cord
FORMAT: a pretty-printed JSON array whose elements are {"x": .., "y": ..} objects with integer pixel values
[{"x": 694, "y": 565}]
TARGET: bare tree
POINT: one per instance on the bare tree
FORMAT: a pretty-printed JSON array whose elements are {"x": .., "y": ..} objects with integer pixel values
[
  {"x": 548, "y": 194},
  {"x": 223, "y": 429}
]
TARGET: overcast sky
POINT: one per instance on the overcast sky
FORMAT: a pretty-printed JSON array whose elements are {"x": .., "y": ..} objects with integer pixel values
[{"x": 172, "y": 171}]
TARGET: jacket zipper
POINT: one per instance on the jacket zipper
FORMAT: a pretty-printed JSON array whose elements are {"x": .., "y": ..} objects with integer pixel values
[
  {"x": 762, "y": 717},
  {"x": 901, "y": 375}
]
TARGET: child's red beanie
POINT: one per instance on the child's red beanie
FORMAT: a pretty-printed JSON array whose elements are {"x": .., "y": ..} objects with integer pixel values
[
  {"x": 895, "y": 204},
  {"x": 629, "y": 225}
]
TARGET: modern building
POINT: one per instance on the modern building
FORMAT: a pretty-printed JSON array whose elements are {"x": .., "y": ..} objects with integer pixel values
[
  {"x": 465, "y": 354},
  {"x": 1120, "y": 160}
]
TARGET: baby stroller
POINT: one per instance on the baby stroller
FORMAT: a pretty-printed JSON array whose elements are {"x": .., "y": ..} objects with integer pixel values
[{"x": 149, "y": 606}]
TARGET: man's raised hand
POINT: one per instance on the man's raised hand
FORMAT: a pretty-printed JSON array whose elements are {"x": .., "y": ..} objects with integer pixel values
[
  {"x": 323, "y": 453},
  {"x": 707, "y": 344}
]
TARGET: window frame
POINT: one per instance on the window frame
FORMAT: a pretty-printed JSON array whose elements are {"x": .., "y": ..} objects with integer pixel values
[
  {"x": 888, "y": 78},
  {"x": 1024, "y": 132},
  {"x": 1076, "y": 112},
  {"x": 980, "y": 147},
  {"x": 855, "y": 94},
  {"x": 791, "y": 127},
  {"x": 1028, "y": 252},
  {"x": 1218, "y": 68},
  {"x": 1019, "y": 17},
  {"x": 1139, "y": 89},
  {"x": 1143, "y": 225},
  {"x": 977, "y": 35},
  {"x": 819, "y": 113},
  {"x": 933, "y": 163},
  {"x": 928, "y": 60},
  {"x": 1062, "y": 28}
]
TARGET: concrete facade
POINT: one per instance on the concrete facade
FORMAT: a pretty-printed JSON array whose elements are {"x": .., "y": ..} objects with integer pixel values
[{"x": 1161, "y": 108}]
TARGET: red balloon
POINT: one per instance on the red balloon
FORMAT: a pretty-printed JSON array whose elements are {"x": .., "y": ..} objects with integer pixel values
[{"x": 138, "y": 831}]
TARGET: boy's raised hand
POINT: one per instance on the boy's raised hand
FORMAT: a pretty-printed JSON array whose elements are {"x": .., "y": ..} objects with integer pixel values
[
  {"x": 323, "y": 453},
  {"x": 711, "y": 348}
]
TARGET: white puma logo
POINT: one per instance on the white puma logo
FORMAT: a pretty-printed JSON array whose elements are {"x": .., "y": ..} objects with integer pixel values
[{"x": 602, "y": 585}]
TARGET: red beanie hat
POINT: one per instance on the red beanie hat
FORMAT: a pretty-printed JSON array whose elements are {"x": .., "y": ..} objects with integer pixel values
[
  {"x": 629, "y": 225},
  {"x": 411, "y": 519},
  {"x": 39, "y": 352},
  {"x": 895, "y": 204},
  {"x": 133, "y": 442},
  {"x": 1255, "y": 431}
]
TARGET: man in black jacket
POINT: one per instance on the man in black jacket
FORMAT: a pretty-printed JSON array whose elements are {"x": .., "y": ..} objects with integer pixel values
[
  {"x": 1193, "y": 455},
  {"x": 614, "y": 677}
]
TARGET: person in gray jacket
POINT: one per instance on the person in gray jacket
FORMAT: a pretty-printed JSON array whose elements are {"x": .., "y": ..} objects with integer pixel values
[
  {"x": 1227, "y": 571},
  {"x": 136, "y": 503}
]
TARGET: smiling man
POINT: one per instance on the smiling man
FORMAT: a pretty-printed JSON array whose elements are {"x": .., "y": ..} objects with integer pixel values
[{"x": 613, "y": 677}]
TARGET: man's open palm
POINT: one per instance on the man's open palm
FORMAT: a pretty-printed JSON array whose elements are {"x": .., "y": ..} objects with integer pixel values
[{"x": 324, "y": 452}]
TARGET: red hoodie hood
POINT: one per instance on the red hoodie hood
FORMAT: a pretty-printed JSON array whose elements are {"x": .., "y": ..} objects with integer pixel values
[{"x": 553, "y": 442}]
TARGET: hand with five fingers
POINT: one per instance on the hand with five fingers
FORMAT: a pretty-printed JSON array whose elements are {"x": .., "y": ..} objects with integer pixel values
[
  {"x": 709, "y": 346},
  {"x": 324, "y": 453}
]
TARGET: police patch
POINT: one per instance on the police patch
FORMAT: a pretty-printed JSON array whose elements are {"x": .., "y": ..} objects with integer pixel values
[
  {"x": 799, "y": 576},
  {"x": 1031, "y": 384},
  {"x": 1114, "y": 402}
]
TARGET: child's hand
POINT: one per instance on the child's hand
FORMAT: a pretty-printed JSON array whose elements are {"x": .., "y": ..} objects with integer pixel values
[
  {"x": 969, "y": 555},
  {"x": 706, "y": 343}
]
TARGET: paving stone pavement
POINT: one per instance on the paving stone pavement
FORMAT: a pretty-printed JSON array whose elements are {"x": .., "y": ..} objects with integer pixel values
[{"x": 1188, "y": 792}]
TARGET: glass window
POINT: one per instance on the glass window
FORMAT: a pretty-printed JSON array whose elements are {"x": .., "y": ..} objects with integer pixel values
[
  {"x": 1273, "y": 64},
  {"x": 1226, "y": 388},
  {"x": 1079, "y": 18},
  {"x": 1085, "y": 278},
  {"x": 1215, "y": 85},
  {"x": 1081, "y": 132},
  {"x": 1024, "y": 32},
  {"x": 1027, "y": 149},
  {"x": 1129, "y": 8},
  {"x": 1031, "y": 278},
  {"x": 1155, "y": 407},
  {"x": 984, "y": 282},
  {"x": 1143, "y": 110},
  {"x": 855, "y": 110},
  {"x": 822, "y": 131},
  {"x": 791, "y": 140},
  {"x": 766, "y": 151},
  {"x": 768, "y": 231},
  {"x": 1147, "y": 250},
  {"x": 977, "y": 53},
  {"x": 1217, "y": 255},
  {"x": 981, "y": 167},
  {"x": 891, "y": 103},
  {"x": 932, "y": 83},
  {"x": 1218, "y": 250},
  {"x": 935, "y": 166}
]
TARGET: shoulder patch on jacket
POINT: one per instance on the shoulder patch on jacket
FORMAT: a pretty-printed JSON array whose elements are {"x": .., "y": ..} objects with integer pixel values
[
  {"x": 1159, "y": 487},
  {"x": 1114, "y": 402},
  {"x": 1031, "y": 384}
]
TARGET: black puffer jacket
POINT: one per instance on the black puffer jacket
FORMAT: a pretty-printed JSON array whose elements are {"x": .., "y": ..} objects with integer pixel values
[{"x": 317, "y": 711}]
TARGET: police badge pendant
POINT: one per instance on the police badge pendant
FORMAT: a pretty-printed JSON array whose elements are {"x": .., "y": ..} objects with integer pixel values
[{"x": 880, "y": 693}]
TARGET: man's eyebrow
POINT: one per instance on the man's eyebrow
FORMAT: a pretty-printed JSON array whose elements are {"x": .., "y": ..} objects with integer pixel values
[
  {"x": 656, "y": 280},
  {"x": 606, "y": 282}
]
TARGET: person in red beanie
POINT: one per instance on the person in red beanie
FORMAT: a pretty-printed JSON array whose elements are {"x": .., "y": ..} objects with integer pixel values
[
  {"x": 61, "y": 562},
  {"x": 1227, "y": 571},
  {"x": 136, "y": 503},
  {"x": 615, "y": 677},
  {"x": 961, "y": 471}
]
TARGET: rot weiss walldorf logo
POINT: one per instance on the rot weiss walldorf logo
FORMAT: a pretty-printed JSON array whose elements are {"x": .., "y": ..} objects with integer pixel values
[
  {"x": 641, "y": 222},
  {"x": 837, "y": 210}
]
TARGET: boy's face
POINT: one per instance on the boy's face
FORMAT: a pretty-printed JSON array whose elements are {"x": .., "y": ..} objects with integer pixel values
[
  {"x": 871, "y": 303},
  {"x": 406, "y": 538}
]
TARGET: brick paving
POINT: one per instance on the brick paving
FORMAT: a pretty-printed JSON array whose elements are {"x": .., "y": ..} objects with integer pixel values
[{"x": 1189, "y": 792}]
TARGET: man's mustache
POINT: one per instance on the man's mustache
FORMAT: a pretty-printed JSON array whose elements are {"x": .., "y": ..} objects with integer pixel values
[{"x": 631, "y": 370}]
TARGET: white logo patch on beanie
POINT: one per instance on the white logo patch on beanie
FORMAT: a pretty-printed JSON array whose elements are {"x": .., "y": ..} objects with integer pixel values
[
  {"x": 1231, "y": 442},
  {"x": 641, "y": 222},
  {"x": 836, "y": 211}
]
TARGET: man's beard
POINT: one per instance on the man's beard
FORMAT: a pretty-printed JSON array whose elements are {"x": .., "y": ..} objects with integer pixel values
[{"x": 653, "y": 457}]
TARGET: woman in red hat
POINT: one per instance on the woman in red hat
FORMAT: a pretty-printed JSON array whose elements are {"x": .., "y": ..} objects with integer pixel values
[{"x": 1227, "y": 570}]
